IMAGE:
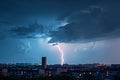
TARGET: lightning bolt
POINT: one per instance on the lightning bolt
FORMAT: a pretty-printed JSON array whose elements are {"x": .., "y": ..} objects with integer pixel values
[{"x": 62, "y": 54}]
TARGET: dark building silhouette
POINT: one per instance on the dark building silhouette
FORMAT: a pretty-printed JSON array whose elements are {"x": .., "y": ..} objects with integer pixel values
[{"x": 44, "y": 62}]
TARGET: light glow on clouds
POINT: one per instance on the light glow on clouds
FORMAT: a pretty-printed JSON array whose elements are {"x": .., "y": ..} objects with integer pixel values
[
  {"x": 25, "y": 46},
  {"x": 64, "y": 23}
]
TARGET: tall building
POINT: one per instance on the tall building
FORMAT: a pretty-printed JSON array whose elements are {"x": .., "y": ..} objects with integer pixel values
[{"x": 44, "y": 62}]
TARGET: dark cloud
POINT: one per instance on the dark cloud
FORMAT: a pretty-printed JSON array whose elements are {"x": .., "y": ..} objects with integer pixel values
[
  {"x": 16, "y": 11},
  {"x": 28, "y": 32},
  {"x": 96, "y": 22},
  {"x": 87, "y": 19}
]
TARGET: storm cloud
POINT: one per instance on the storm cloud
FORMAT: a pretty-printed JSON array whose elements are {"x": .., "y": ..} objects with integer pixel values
[
  {"x": 28, "y": 32},
  {"x": 86, "y": 19},
  {"x": 96, "y": 22}
]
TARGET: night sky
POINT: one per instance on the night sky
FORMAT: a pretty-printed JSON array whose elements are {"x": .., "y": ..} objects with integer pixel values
[{"x": 87, "y": 31}]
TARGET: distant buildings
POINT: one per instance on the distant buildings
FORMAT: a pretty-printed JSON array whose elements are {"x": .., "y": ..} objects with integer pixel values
[
  {"x": 28, "y": 71},
  {"x": 5, "y": 72}
]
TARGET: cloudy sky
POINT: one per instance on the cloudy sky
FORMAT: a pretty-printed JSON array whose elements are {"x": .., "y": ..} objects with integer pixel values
[{"x": 87, "y": 31}]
